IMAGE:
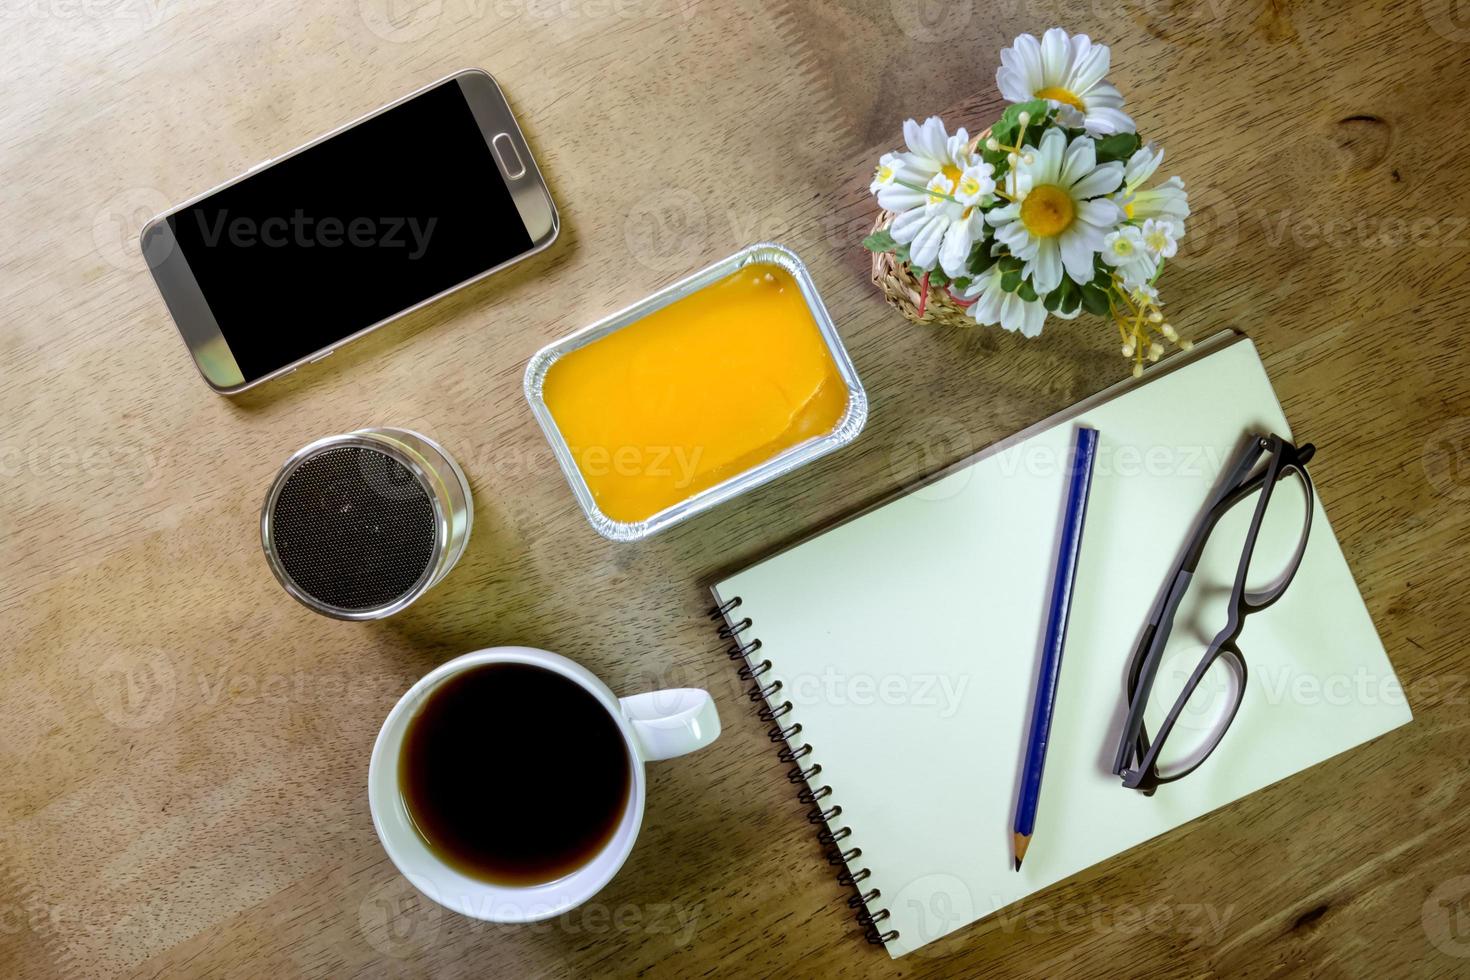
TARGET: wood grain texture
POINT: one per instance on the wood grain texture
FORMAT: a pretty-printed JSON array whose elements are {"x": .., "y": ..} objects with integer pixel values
[{"x": 186, "y": 750}]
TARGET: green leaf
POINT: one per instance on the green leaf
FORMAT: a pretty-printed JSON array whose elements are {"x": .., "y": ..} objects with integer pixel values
[
  {"x": 1119, "y": 146},
  {"x": 961, "y": 283},
  {"x": 1065, "y": 297},
  {"x": 1071, "y": 301},
  {"x": 997, "y": 158},
  {"x": 1011, "y": 281},
  {"x": 880, "y": 241},
  {"x": 938, "y": 278},
  {"x": 1095, "y": 300},
  {"x": 1011, "y": 118},
  {"x": 980, "y": 258},
  {"x": 1053, "y": 299},
  {"x": 1027, "y": 292},
  {"x": 902, "y": 253},
  {"x": 1009, "y": 263}
]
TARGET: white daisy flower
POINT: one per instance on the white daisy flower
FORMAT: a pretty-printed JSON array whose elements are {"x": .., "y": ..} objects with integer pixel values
[
  {"x": 1124, "y": 250},
  {"x": 992, "y": 304},
  {"x": 976, "y": 184},
  {"x": 940, "y": 222},
  {"x": 1144, "y": 293},
  {"x": 1060, "y": 217},
  {"x": 1123, "y": 245},
  {"x": 890, "y": 166},
  {"x": 931, "y": 150},
  {"x": 941, "y": 231},
  {"x": 1167, "y": 200},
  {"x": 1141, "y": 166},
  {"x": 1068, "y": 72},
  {"x": 1159, "y": 239},
  {"x": 940, "y": 189}
]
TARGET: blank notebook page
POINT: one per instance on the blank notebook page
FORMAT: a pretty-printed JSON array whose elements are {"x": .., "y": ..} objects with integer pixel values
[{"x": 907, "y": 641}]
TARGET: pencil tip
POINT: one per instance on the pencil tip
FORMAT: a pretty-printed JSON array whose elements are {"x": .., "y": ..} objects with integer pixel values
[{"x": 1022, "y": 843}]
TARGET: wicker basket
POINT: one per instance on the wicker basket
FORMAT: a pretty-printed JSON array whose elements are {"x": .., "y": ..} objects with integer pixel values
[{"x": 905, "y": 292}]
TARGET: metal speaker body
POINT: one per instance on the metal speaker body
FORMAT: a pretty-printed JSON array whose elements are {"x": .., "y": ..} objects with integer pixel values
[{"x": 358, "y": 526}]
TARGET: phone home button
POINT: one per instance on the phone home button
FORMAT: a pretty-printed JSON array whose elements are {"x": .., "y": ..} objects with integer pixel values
[{"x": 505, "y": 152}]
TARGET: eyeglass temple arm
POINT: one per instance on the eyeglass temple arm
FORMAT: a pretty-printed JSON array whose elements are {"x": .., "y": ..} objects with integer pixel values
[
  {"x": 1239, "y": 485},
  {"x": 1146, "y": 656},
  {"x": 1131, "y": 742},
  {"x": 1287, "y": 457}
]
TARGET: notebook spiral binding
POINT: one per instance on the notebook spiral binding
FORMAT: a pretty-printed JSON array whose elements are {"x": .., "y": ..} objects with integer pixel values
[{"x": 804, "y": 770}]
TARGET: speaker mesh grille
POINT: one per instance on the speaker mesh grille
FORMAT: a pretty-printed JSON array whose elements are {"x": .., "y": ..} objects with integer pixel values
[{"x": 354, "y": 528}]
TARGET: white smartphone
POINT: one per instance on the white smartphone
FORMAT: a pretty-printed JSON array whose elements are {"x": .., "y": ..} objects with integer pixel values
[{"x": 300, "y": 254}]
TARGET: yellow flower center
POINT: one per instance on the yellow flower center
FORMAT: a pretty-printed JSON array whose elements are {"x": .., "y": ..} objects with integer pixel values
[
  {"x": 951, "y": 172},
  {"x": 1047, "y": 211},
  {"x": 1128, "y": 210},
  {"x": 969, "y": 186},
  {"x": 1061, "y": 95},
  {"x": 884, "y": 174}
]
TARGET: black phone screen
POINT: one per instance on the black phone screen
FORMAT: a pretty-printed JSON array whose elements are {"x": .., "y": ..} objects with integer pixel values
[{"x": 328, "y": 242}]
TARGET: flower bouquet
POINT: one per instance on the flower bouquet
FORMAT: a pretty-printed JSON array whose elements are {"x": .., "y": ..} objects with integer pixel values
[{"x": 1044, "y": 213}]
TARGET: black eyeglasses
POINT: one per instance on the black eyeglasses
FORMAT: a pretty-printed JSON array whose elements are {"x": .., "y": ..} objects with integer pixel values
[{"x": 1137, "y": 759}]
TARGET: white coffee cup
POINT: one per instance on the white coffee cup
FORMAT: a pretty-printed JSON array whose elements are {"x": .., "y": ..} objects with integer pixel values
[{"x": 656, "y": 725}]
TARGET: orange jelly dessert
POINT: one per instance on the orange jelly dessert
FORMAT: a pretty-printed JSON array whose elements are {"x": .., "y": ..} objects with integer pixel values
[{"x": 694, "y": 393}]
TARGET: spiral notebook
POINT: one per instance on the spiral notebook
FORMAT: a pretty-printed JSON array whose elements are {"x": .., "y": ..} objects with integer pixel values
[{"x": 895, "y": 653}]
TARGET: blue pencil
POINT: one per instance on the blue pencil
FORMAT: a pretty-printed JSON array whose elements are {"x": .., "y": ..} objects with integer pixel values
[{"x": 1070, "y": 547}]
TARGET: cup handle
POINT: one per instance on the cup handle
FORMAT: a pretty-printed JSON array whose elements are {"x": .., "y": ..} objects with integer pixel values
[{"x": 672, "y": 723}]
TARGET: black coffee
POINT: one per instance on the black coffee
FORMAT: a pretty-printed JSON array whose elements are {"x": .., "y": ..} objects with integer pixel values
[{"x": 514, "y": 774}]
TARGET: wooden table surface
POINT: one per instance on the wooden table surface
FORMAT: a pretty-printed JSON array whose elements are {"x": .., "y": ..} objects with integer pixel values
[{"x": 185, "y": 749}]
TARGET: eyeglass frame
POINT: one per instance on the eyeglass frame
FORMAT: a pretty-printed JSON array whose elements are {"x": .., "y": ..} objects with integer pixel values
[{"x": 1282, "y": 458}]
